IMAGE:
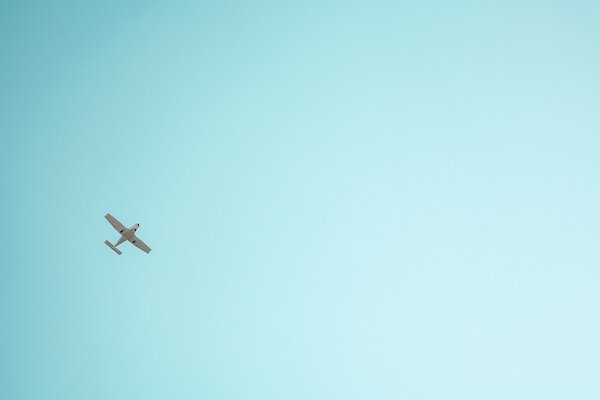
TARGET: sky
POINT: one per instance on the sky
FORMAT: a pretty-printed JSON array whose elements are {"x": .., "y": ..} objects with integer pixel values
[{"x": 344, "y": 199}]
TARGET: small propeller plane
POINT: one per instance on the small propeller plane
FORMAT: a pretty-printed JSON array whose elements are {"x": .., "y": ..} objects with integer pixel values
[{"x": 126, "y": 234}]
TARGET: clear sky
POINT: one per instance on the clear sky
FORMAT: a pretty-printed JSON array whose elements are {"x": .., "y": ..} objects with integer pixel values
[{"x": 345, "y": 200}]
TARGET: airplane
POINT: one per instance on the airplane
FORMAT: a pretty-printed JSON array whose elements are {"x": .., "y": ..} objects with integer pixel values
[{"x": 126, "y": 234}]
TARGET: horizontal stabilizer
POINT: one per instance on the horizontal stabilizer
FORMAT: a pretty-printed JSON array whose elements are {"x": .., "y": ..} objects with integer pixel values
[{"x": 109, "y": 244}]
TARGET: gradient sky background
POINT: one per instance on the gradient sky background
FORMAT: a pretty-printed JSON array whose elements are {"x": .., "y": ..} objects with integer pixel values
[{"x": 345, "y": 200}]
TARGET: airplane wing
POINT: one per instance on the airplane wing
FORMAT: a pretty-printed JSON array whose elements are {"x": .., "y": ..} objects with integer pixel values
[
  {"x": 139, "y": 244},
  {"x": 115, "y": 223}
]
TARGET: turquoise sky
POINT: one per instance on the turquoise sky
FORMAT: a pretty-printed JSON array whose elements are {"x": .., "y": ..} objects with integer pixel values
[{"x": 345, "y": 200}]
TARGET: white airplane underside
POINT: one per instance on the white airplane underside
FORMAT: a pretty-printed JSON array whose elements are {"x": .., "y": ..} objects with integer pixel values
[{"x": 127, "y": 234}]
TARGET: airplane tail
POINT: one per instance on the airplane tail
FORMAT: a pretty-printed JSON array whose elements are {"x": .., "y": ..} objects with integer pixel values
[{"x": 109, "y": 244}]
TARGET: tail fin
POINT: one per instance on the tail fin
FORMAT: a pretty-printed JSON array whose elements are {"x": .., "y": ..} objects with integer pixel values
[{"x": 109, "y": 244}]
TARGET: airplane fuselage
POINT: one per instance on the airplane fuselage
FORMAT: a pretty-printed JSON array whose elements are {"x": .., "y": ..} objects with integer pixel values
[{"x": 126, "y": 234}]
